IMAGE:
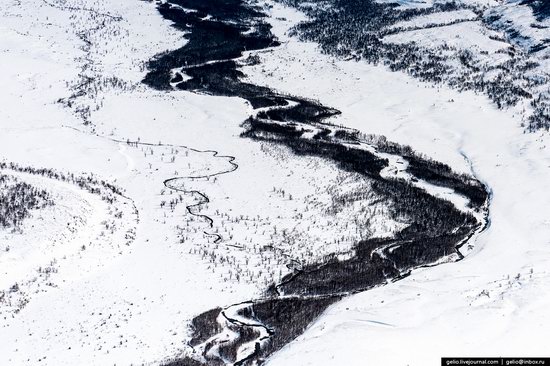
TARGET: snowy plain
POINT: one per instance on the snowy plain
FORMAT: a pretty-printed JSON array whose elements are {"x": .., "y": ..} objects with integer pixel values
[
  {"x": 134, "y": 308},
  {"x": 494, "y": 302}
]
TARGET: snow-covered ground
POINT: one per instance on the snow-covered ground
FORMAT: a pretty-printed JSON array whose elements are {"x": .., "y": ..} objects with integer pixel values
[
  {"x": 442, "y": 19},
  {"x": 133, "y": 305},
  {"x": 492, "y": 303}
]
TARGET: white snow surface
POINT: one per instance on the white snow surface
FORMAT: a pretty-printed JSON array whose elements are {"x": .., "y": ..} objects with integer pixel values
[
  {"x": 432, "y": 19},
  {"x": 492, "y": 303},
  {"x": 133, "y": 305}
]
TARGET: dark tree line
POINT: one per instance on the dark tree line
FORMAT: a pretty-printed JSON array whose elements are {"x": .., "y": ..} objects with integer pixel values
[
  {"x": 541, "y": 8},
  {"x": 218, "y": 32},
  {"x": 18, "y": 199},
  {"x": 355, "y": 28},
  {"x": 107, "y": 191}
]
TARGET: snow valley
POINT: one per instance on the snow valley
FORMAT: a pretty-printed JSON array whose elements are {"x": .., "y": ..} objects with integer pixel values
[{"x": 233, "y": 182}]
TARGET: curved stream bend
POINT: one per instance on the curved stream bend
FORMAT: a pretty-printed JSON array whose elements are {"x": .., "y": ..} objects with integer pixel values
[{"x": 444, "y": 209}]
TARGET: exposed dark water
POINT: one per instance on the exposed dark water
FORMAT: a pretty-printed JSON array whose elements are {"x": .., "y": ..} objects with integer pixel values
[{"x": 218, "y": 32}]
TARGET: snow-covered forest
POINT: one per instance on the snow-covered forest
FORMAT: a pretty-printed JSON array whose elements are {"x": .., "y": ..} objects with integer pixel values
[{"x": 281, "y": 182}]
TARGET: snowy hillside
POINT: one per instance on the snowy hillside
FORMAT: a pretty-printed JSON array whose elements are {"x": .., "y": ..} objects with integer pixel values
[
  {"x": 497, "y": 48},
  {"x": 282, "y": 182}
]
